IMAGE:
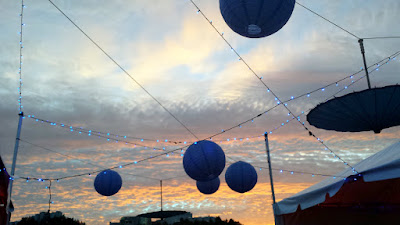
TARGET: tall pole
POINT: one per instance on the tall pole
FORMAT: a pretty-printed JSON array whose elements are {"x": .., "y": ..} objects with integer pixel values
[
  {"x": 270, "y": 174},
  {"x": 361, "y": 42},
  {"x": 10, "y": 184},
  {"x": 270, "y": 168},
  {"x": 161, "y": 194}
]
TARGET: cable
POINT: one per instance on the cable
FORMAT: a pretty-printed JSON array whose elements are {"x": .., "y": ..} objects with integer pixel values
[
  {"x": 393, "y": 56},
  {"x": 328, "y": 20},
  {"x": 107, "y": 135},
  {"x": 265, "y": 85},
  {"x": 300, "y": 172},
  {"x": 84, "y": 162},
  {"x": 389, "y": 37},
  {"x": 123, "y": 70},
  {"x": 90, "y": 133}
]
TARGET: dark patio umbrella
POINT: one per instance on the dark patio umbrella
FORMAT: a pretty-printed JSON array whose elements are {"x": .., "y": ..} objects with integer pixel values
[{"x": 372, "y": 109}]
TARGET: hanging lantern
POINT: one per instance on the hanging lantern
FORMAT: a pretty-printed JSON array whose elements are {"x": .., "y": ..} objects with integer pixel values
[
  {"x": 204, "y": 161},
  {"x": 208, "y": 187},
  {"x": 256, "y": 18},
  {"x": 107, "y": 182},
  {"x": 241, "y": 177}
]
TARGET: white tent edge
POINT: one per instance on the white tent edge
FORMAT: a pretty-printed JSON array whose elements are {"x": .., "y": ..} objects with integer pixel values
[{"x": 380, "y": 166}]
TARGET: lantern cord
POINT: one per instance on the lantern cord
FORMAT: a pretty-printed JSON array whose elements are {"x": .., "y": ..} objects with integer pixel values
[
  {"x": 76, "y": 158},
  {"x": 123, "y": 70},
  {"x": 327, "y": 20}
]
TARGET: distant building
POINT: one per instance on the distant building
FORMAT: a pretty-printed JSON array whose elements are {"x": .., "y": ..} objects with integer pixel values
[
  {"x": 206, "y": 218},
  {"x": 177, "y": 218},
  {"x": 164, "y": 217},
  {"x": 39, "y": 217},
  {"x": 43, "y": 215},
  {"x": 135, "y": 220}
]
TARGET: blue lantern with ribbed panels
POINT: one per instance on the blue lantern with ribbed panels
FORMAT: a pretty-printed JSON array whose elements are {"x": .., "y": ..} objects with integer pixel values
[
  {"x": 256, "y": 18},
  {"x": 204, "y": 161},
  {"x": 108, "y": 182},
  {"x": 208, "y": 187},
  {"x": 241, "y": 177}
]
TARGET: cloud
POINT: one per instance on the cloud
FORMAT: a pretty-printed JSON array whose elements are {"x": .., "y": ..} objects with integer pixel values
[{"x": 177, "y": 56}]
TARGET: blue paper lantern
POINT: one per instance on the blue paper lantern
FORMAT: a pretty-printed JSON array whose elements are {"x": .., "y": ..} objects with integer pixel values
[
  {"x": 107, "y": 182},
  {"x": 204, "y": 161},
  {"x": 208, "y": 187},
  {"x": 256, "y": 18},
  {"x": 241, "y": 177}
]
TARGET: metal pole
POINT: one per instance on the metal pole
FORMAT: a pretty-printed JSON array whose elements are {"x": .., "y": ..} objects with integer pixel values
[
  {"x": 10, "y": 184},
  {"x": 361, "y": 41},
  {"x": 270, "y": 174},
  {"x": 269, "y": 168},
  {"x": 161, "y": 194}
]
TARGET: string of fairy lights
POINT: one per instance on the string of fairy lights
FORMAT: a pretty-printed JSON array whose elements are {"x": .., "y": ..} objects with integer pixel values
[
  {"x": 21, "y": 46},
  {"x": 28, "y": 179},
  {"x": 120, "y": 138},
  {"x": 260, "y": 78},
  {"x": 281, "y": 171},
  {"x": 375, "y": 68}
]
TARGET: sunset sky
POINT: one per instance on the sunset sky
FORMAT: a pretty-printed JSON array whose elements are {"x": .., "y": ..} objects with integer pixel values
[{"x": 178, "y": 57}]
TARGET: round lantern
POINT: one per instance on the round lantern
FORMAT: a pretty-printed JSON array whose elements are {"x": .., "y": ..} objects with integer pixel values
[
  {"x": 256, "y": 18},
  {"x": 107, "y": 182},
  {"x": 208, "y": 187},
  {"x": 241, "y": 177},
  {"x": 204, "y": 161}
]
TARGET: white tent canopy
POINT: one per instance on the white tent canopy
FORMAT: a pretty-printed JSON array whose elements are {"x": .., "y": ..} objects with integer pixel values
[{"x": 380, "y": 166}]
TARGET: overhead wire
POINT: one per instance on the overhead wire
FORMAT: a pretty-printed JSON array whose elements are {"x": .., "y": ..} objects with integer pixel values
[
  {"x": 329, "y": 21},
  {"x": 264, "y": 84},
  {"x": 115, "y": 137},
  {"x": 76, "y": 158},
  {"x": 123, "y": 70},
  {"x": 393, "y": 56}
]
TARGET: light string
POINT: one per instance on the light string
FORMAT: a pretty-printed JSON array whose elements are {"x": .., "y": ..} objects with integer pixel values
[
  {"x": 124, "y": 71},
  {"x": 292, "y": 172},
  {"x": 378, "y": 65},
  {"x": 281, "y": 170},
  {"x": 170, "y": 178},
  {"x": 102, "y": 134},
  {"x": 114, "y": 137},
  {"x": 78, "y": 159},
  {"x": 21, "y": 46},
  {"x": 221, "y": 36},
  {"x": 107, "y": 136},
  {"x": 121, "y": 165},
  {"x": 265, "y": 85}
]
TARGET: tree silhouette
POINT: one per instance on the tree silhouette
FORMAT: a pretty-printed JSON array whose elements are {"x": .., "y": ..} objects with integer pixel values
[
  {"x": 217, "y": 221},
  {"x": 61, "y": 220}
]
